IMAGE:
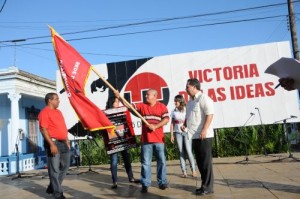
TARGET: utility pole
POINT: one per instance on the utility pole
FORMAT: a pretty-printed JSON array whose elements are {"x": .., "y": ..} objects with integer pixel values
[
  {"x": 293, "y": 29},
  {"x": 15, "y": 49}
]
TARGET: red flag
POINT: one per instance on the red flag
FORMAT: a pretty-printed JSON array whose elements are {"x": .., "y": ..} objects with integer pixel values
[{"x": 74, "y": 71}]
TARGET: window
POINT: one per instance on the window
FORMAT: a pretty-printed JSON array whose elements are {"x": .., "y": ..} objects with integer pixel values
[{"x": 32, "y": 116}]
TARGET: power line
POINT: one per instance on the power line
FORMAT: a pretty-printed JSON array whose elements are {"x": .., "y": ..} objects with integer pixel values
[
  {"x": 155, "y": 30},
  {"x": 157, "y": 21},
  {"x": 3, "y": 6}
]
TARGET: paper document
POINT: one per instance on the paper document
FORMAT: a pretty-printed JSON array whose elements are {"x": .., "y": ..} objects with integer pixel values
[{"x": 286, "y": 67}]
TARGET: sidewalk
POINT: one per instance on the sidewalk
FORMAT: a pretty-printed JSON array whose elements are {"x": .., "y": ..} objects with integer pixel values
[{"x": 264, "y": 177}]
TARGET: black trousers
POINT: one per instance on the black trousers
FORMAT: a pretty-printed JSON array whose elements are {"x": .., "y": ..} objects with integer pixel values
[{"x": 203, "y": 155}]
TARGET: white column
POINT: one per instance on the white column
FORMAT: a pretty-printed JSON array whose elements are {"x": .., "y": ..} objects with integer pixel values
[
  {"x": 14, "y": 121},
  {"x": 1, "y": 125}
]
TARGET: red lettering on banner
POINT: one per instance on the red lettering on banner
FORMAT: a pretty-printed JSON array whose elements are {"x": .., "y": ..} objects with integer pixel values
[
  {"x": 218, "y": 75},
  {"x": 217, "y": 94},
  {"x": 193, "y": 75},
  {"x": 270, "y": 87},
  {"x": 252, "y": 91},
  {"x": 205, "y": 75},
  {"x": 225, "y": 73},
  {"x": 259, "y": 90},
  {"x": 184, "y": 94}
]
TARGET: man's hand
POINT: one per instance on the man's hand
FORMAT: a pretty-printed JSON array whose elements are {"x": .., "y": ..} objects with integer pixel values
[
  {"x": 203, "y": 134},
  {"x": 183, "y": 128},
  {"x": 287, "y": 83},
  {"x": 152, "y": 127},
  {"x": 53, "y": 149},
  {"x": 68, "y": 144}
]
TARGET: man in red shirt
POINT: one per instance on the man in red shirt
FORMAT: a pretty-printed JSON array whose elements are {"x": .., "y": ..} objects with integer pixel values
[
  {"x": 156, "y": 114},
  {"x": 57, "y": 145}
]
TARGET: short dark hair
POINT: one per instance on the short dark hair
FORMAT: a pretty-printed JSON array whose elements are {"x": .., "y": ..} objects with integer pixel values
[
  {"x": 194, "y": 82},
  {"x": 110, "y": 102},
  {"x": 49, "y": 96}
]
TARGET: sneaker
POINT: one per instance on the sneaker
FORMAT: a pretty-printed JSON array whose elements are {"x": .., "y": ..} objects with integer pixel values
[
  {"x": 184, "y": 175},
  {"x": 144, "y": 189},
  {"x": 114, "y": 186},
  {"x": 163, "y": 186}
]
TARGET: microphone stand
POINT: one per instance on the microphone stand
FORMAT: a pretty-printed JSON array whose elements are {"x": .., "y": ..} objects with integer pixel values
[
  {"x": 287, "y": 140},
  {"x": 246, "y": 160},
  {"x": 263, "y": 130},
  {"x": 18, "y": 173},
  {"x": 88, "y": 147}
]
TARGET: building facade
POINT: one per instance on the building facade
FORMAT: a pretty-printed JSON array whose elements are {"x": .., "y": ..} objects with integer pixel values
[{"x": 21, "y": 99}]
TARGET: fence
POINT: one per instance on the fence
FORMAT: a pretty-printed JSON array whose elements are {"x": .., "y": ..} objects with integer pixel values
[{"x": 27, "y": 162}]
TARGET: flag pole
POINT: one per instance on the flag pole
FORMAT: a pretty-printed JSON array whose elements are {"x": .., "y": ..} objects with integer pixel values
[{"x": 127, "y": 104}]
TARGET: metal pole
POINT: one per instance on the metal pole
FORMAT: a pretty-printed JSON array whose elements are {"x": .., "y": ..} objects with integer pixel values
[{"x": 293, "y": 29}]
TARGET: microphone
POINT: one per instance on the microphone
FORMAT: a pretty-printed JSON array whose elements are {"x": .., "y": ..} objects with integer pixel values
[
  {"x": 293, "y": 116},
  {"x": 252, "y": 113}
]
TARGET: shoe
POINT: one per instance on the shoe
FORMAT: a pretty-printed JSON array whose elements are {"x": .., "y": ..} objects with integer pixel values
[
  {"x": 144, "y": 189},
  {"x": 184, "y": 175},
  {"x": 194, "y": 174},
  {"x": 114, "y": 186},
  {"x": 163, "y": 186},
  {"x": 199, "y": 190},
  {"x": 134, "y": 180},
  {"x": 49, "y": 190},
  {"x": 203, "y": 192}
]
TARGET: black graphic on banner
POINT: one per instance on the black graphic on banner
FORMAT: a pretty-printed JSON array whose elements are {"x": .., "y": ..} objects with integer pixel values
[{"x": 124, "y": 137}]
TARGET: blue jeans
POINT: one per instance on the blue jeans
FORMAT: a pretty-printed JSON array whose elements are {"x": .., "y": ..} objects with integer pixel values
[
  {"x": 147, "y": 151},
  {"x": 58, "y": 166},
  {"x": 114, "y": 165},
  {"x": 185, "y": 146}
]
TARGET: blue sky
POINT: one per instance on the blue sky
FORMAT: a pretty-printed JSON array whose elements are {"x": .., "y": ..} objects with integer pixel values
[{"x": 29, "y": 19}]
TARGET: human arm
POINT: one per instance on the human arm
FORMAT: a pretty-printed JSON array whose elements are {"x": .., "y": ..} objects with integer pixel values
[
  {"x": 172, "y": 131},
  {"x": 68, "y": 142},
  {"x": 53, "y": 147},
  {"x": 122, "y": 100},
  {"x": 158, "y": 125},
  {"x": 207, "y": 123}
]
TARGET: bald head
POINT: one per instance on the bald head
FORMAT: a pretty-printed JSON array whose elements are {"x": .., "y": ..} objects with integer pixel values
[{"x": 151, "y": 96}]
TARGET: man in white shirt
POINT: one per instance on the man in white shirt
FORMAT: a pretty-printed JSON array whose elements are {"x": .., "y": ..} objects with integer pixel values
[{"x": 199, "y": 116}]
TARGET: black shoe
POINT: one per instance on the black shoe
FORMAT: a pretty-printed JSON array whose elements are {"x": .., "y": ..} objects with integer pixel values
[
  {"x": 163, "y": 186},
  {"x": 114, "y": 186},
  {"x": 49, "y": 190},
  {"x": 203, "y": 192},
  {"x": 134, "y": 180},
  {"x": 199, "y": 190},
  {"x": 144, "y": 189}
]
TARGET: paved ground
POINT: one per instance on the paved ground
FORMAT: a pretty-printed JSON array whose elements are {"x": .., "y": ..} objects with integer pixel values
[{"x": 261, "y": 177}]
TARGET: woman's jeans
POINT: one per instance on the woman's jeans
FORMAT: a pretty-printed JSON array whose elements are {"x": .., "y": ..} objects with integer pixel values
[
  {"x": 114, "y": 165},
  {"x": 185, "y": 147}
]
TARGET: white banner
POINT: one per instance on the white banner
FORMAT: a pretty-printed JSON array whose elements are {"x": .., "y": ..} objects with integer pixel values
[{"x": 234, "y": 78}]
